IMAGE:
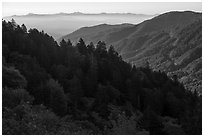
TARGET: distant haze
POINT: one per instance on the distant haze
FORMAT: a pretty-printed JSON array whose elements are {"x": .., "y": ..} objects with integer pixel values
[
  {"x": 57, "y": 23},
  {"x": 20, "y": 8}
]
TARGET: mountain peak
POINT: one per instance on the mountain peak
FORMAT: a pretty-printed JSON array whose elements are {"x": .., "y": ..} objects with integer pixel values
[
  {"x": 77, "y": 13},
  {"x": 31, "y": 14}
]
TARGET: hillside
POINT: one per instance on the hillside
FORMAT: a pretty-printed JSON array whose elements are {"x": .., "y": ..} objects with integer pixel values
[
  {"x": 95, "y": 33},
  {"x": 170, "y": 42},
  {"x": 82, "y": 89}
]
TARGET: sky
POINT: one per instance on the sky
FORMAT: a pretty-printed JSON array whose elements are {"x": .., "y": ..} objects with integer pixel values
[{"x": 22, "y": 8}]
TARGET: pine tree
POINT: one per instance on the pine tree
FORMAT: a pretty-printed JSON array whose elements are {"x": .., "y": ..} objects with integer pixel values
[
  {"x": 91, "y": 47},
  {"x": 82, "y": 47},
  {"x": 23, "y": 27},
  {"x": 13, "y": 22}
]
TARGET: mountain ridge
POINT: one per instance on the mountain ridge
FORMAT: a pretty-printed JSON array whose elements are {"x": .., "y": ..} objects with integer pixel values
[{"x": 165, "y": 41}]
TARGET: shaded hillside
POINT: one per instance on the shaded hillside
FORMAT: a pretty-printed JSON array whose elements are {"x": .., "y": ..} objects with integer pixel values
[{"x": 170, "y": 42}]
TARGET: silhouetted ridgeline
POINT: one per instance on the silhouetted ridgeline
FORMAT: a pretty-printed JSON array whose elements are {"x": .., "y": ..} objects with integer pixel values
[{"x": 87, "y": 89}]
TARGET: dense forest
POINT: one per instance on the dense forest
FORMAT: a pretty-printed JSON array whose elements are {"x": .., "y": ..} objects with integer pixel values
[{"x": 51, "y": 88}]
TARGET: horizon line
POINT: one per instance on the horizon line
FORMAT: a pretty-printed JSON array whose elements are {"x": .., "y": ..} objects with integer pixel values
[{"x": 83, "y": 13}]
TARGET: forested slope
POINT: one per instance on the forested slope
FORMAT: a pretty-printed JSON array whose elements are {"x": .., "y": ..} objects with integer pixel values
[
  {"x": 87, "y": 89},
  {"x": 170, "y": 42}
]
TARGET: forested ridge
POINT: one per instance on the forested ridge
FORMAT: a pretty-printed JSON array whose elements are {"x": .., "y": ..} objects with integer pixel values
[
  {"x": 170, "y": 42},
  {"x": 87, "y": 89}
]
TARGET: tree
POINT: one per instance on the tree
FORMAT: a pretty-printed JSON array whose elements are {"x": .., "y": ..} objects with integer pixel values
[
  {"x": 29, "y": 67},
  {"x": 75, "y": 89},
  {"x": 123, "y": 124},
  {"x": 92, "y": 76},
  {"x": 112, "y": 53},
  {"x": 12, "y": 78},
  {"x": 82, "y": 47},
  {"x": 101, "y": 49},
  {"x": 57, "y": 97},
  {"x": 91, "y": 47},
  {"x": 23, "y": 27},
  {"x": 152, "y": 122},
  {"x": 13, "y": 22},
  {"x": 63, "y": 43},
  {"x": 13, "y": 97}
]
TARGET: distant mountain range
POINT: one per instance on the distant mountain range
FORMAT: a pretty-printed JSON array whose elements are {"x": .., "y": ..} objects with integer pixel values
[
  {"x": 170, "y": 42},
  {"x": 80, "y": 13},
  {"x": 60, "y": 24}
]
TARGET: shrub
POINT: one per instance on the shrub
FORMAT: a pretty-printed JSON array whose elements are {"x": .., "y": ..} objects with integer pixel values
[
  {"x": 124, "y": 125},
  {"x": 13, "y": 97}
]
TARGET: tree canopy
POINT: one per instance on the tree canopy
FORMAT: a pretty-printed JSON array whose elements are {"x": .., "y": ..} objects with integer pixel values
[{"x": 87, "y": 89}]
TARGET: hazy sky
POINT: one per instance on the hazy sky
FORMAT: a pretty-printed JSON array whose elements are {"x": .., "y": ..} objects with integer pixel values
[{"x": 12, "y": 8}]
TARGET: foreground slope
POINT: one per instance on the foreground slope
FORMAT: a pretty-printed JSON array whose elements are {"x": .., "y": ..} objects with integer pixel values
[{"x": 85, "y": 89}]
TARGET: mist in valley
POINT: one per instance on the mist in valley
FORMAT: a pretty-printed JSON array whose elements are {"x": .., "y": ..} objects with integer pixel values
[{"x": 58, "y": 25}]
